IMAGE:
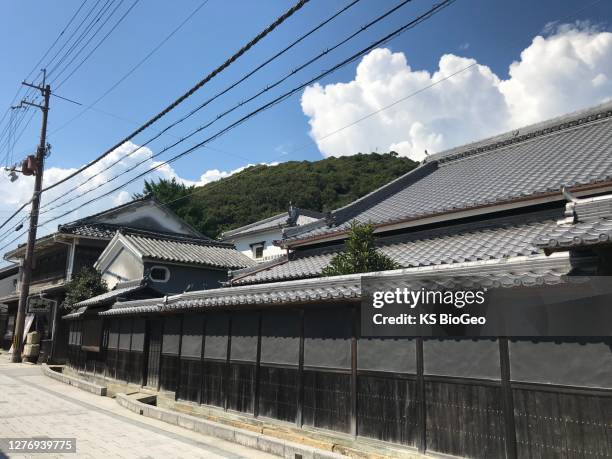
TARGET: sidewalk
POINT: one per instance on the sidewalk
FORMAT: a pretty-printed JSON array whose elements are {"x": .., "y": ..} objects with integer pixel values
[{"x": 32, "y": 404}]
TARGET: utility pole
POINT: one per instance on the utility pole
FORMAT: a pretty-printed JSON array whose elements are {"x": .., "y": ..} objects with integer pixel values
[{"x": 26, "y": 270}]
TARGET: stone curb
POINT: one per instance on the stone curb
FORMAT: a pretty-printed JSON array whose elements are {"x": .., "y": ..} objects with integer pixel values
[
  {"x": 276, "y": 446},
  {"x": 78, "y": 383}
]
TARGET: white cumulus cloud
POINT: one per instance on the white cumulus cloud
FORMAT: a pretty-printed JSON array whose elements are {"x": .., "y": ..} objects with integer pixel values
[
  {"x": 566, "y": 68},
  {"x": 94, "y": 181}
]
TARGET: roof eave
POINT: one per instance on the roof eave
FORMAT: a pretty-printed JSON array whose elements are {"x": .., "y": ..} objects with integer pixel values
[
  {"x": 515, "y": 203},
  {"x": 242, "y": 295}
]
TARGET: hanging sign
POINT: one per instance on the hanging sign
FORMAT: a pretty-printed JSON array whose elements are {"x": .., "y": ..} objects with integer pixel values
[{"x": 37, "y": 304}]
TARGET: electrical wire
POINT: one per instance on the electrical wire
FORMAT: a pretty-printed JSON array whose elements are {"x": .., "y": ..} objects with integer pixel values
[
  {"x": 133, "y": 69},
  {"x": 29, "y": 91},
  {"x": 189, "y": 93},
  {"x": 425, "y": 16},
  {"x": 97, "y": 45},
  {"x": 56, "y": 40},
  {"x": 86, "y": 30},
  {"x": 77, "y": 46},
  {"x": 282, "y": 18},
  {"x": 240, "y": 104}
]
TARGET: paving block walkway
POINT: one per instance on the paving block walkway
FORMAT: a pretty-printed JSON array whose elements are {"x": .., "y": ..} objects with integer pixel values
[{"x": 32, "y": 404}]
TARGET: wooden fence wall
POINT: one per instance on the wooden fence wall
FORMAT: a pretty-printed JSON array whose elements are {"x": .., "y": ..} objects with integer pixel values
[{"x": 482, "y": 398}]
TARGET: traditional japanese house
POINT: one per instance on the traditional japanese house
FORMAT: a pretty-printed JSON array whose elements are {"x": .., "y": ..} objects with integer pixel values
[
  {"x": 283, "y": 343},
  {"x": 9, "y": 277},
  {"x": 142, "y": 224},
  {"x": 256, "y": 240}
]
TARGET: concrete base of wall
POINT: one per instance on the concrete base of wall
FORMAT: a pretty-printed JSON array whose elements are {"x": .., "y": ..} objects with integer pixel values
[
  {"x": 249, "y": 438},
  {"x": 284, "y": 441},
  {"x": 56, "y": 372},
  {"x": 277, "y": 437}
]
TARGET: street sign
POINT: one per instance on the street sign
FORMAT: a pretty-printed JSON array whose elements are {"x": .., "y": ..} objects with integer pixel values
[{"x": 37, "y": 304}]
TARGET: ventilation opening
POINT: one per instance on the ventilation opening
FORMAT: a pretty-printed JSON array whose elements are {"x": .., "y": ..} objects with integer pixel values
[{"x": 159, "y": 274}]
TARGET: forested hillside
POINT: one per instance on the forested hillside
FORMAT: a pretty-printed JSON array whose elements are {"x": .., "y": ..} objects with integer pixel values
[{"x": 262, "y": 191}]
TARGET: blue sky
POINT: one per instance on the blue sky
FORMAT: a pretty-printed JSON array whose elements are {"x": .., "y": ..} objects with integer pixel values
[{"x": 506, "y": 79}]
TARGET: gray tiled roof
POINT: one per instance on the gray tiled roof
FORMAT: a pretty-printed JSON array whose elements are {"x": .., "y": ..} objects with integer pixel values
[
  {"x": 109, "y": 297},
  {"x": 276, "y": 221},
  {"x": 588, "y": 222},
  {"x": 579, "y": 234},
  {"x": 193, "y": 251},
  {"x": 525, "y": 272},
  {"x": 76, "y": 314},
  {"x": 497, "y": 239},
  {"x": 571, "y": 151},
  {"x": 95, "y": 230}
]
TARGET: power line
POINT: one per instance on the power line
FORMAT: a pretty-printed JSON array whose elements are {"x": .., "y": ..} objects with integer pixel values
[
  {"x": 228, "y": 88},
  {"x": 94, "y": 21},
  {"x": 435, "y": 9},
  {"x": 56, "y": 40},
  {"x": 8, "y": 110},
  {"x": 29, "y": 91},
  {"x": 386, "y": 107},
  {"x": 178, "y": 101},
  {"x": 134, "y": 68},
  {"x": 189, "y": 93},
  {"x": 87, "y": 29},
  {"x": 17, "y": 124},
  {"x": 98, "y": 44},
  {"x": 209, "y": 187}
]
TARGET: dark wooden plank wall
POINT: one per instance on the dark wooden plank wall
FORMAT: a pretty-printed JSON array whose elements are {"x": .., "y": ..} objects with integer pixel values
[
  {"x": 169, "y": 374},
  {"x": 278, "y": 392},
  {"x": 214, "y": 383},
  {"x": 462, "y": 416},
  {"x": 191, "y": 380},
  {"x": 387, "y": 408},
  {"x": 327, "y": 400},
  {"x": 240, "y": 387},
  {"x": 464, "y": 419},
  {"x": 555, "y": 424}
]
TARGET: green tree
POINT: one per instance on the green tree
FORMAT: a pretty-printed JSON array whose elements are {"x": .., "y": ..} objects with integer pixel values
[
  {"x": 165, "y": 190},
  {"x": 261, "y": 191},
  {"x": 360, "y": 254},
  {"x": 85, "y": 284}
]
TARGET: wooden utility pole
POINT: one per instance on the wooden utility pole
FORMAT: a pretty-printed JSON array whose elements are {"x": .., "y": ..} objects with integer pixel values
[{"x": 26, "y": 270}]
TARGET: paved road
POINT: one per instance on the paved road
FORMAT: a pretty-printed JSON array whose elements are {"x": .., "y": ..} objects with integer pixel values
[{"x": 32, "y": 404}]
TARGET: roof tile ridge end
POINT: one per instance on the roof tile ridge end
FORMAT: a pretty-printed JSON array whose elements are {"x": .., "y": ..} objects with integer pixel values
[{"x": 351, "y": 210}]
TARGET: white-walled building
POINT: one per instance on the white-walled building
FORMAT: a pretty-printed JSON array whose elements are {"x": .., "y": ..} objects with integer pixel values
[{"x": 256, "y": 240}]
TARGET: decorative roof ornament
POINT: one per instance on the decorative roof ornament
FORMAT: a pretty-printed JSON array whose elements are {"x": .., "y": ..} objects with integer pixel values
[
  {"x": 330, "y": 218},
  {"x": 293, "y": 214},
  {"x": 570, "y": 207}
]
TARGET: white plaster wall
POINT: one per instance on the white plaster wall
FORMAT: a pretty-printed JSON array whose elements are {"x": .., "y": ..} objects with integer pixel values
[
  {"x": 125, "y": 266},
  {"x": 149, "y": 216},
  {"x": 270, "y": 250}
]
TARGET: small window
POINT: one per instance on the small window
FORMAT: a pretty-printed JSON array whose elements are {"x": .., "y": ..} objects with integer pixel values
[
  {"x": 160, "y": 274},
  {"x": 258, "y": 250}
]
